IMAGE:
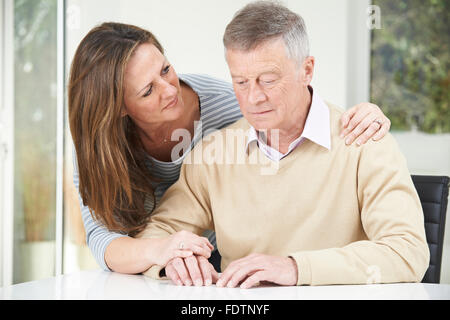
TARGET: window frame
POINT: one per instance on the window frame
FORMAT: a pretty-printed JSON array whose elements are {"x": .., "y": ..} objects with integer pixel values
[
  {"x": 60, "y": 132},
  {"x": 358, "y": 51},
  {"x": 7, "y": 141}
]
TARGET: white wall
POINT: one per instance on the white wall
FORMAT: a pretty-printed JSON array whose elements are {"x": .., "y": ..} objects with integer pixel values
[{"x": 191, "y": 32}]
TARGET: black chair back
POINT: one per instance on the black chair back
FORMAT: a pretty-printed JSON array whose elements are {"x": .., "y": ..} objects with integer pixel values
[{"x": 433, "y": 194}]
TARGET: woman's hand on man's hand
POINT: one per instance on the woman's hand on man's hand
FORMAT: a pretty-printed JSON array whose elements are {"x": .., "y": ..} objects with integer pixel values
[{"x": 182, "y": 244}]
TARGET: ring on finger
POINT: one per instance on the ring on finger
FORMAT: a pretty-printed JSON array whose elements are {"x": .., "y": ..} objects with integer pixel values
[
  {"x": 181, "y": 246},
  {"x": 379, "y": 122}
]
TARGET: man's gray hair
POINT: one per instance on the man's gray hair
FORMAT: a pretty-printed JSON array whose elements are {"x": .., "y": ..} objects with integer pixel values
[{"x": 262, "y": 21}]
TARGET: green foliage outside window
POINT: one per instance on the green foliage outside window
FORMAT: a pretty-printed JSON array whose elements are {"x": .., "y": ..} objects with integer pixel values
[
  {"x": 35, "y": 118},
  {"x": 410, "y": 65}
]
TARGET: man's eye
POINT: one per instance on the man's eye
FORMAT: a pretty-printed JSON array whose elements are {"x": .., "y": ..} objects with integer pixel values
[{"x": 149, "y": 91}]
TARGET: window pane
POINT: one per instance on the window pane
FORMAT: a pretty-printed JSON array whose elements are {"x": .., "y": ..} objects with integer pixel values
[
  {"x": 411, "y": 63},
  {"x": 34, "y": 138}
]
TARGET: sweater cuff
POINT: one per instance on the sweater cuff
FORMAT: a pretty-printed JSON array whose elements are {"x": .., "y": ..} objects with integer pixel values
[
  {"x": 156, "y": 272},
  {"x": 303, "y": 268}
]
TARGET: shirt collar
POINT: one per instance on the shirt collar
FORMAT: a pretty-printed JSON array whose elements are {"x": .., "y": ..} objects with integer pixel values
[{"x": 317, "y": 125}]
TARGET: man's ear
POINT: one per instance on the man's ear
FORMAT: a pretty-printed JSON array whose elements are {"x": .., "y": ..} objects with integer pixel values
[{"x": 308, "y": 70}]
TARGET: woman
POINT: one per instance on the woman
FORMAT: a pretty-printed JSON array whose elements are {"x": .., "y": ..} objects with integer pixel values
[{"x": 125, "y": 102}]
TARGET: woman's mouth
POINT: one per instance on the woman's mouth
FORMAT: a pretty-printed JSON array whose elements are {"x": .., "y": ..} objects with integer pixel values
[{"x": 172, "y": 103}]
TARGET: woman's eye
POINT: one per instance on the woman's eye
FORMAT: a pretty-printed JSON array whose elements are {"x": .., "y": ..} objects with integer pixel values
[
  {"x": 149, "y": 91},
  {"x": 166, "y": 70}
]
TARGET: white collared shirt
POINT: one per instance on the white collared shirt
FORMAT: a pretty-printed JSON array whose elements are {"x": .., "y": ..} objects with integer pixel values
[{"x": 316, "y": 129}]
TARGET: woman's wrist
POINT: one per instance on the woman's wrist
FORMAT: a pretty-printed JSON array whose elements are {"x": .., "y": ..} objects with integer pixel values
[
  {"x": 150, "y": 248},
  {"x": 131, "y": 255}
]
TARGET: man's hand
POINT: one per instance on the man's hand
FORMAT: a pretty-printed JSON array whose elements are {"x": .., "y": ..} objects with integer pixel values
[
  {"x": 253, "y": 269},
  {"x": 191, "y": 270},
  {"x": 362, "y": 122}
]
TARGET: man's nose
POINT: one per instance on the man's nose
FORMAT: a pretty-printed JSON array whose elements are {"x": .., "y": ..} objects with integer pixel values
[{"x": 256, "y": 95}]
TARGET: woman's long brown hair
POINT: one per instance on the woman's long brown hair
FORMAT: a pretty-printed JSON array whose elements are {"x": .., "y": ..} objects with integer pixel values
[{"x": 114, "y": 181}]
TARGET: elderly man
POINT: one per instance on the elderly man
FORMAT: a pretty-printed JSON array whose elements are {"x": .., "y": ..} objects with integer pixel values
[{"x": 328, "y": 214}]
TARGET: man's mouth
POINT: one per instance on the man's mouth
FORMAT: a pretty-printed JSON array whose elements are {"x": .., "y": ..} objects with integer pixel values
[{"x": 260, "y": 112}]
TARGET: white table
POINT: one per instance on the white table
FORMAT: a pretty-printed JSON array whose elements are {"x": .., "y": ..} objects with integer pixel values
[{"x": 97, "y": 284}]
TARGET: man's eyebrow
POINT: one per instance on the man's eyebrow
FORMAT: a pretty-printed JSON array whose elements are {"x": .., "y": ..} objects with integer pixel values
[
  {"x": 149, "y": 84},
  {"x": 269, "y": 71},
  {"x": 272, "y": 71}
]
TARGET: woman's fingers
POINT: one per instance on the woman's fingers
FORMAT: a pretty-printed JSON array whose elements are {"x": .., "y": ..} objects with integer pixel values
[
  {"x": 181, "y": 254},
  {"x": 364, "y": 130},
  {"x": 369, "y": 132},
  {"x": 347, "y": 115},
  {"x": 201, "y": 251},
  {"x": 193, "y": 249},
  {"x": 203, "y": 242},
  {"x": 190, "y": 248},
  {"x": 208, "y": 244},
  {"x": 383, "y": 131},
  {"x": 363, "y": 122},
  {"x": 352, "y": 131},
  {"x": 180, "y": 245},
  {"x": 188, "y": 241}
]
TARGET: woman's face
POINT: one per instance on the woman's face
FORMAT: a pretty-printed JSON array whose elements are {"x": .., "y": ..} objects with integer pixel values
[{"x": 152, "y": 89}]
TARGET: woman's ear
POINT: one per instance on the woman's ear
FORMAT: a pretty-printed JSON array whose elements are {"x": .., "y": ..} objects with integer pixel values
[{"x": 124, "y": 112}]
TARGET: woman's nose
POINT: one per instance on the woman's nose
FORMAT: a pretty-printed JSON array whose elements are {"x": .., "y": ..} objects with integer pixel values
[{"x": 168, "y": 90}]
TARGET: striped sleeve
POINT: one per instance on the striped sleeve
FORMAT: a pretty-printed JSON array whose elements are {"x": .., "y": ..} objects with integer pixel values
[{"x": 98, "y": 237}]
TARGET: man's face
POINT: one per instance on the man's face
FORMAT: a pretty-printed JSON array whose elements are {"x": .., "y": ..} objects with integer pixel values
[{"x": 269, "y": 86}]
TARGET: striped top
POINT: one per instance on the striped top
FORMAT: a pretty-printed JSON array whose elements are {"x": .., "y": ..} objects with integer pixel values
[{"x": 218, "y": 108}]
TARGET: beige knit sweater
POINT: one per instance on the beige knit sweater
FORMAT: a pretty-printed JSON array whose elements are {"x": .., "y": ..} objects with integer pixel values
[{"x": 349, "y": 215}]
